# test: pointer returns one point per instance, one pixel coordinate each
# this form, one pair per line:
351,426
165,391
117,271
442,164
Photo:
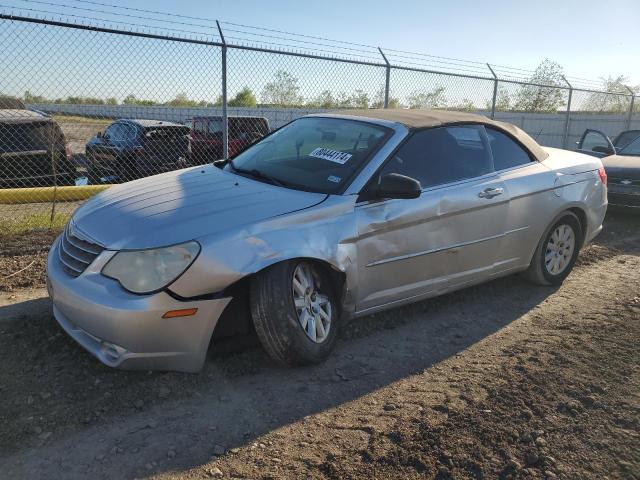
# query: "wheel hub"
313,308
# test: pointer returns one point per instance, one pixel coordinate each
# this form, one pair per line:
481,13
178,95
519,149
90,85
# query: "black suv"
130,149
33,151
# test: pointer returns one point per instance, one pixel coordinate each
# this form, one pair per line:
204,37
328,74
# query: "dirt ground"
504,380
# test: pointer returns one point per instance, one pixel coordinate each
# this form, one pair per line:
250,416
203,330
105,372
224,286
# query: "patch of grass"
34,221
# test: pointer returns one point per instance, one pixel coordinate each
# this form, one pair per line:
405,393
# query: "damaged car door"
446,237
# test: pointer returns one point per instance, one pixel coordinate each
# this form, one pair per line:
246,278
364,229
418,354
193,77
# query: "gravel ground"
503,380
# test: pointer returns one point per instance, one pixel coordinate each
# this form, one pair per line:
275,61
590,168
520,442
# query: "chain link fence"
84,107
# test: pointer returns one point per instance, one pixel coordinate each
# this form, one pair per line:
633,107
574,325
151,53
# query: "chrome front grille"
76,254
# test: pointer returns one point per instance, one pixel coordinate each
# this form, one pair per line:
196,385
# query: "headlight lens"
146,271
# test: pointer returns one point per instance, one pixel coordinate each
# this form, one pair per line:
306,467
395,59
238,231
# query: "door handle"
491,192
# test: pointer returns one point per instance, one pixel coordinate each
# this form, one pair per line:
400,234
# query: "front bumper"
125,330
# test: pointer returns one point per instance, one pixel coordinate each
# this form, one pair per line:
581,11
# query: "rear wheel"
557,252
295,314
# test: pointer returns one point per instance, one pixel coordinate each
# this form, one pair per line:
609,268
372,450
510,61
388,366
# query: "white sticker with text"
334,179
331,155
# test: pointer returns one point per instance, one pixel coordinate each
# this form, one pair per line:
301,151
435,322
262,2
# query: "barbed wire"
256,35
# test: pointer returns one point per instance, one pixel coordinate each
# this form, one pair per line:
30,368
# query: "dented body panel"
387,252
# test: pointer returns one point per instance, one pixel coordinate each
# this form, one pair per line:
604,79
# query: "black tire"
538,272
276,319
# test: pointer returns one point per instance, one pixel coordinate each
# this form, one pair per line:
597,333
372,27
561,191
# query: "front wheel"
294,310
557,252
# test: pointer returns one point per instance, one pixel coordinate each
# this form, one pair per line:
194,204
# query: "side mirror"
395,185
603,149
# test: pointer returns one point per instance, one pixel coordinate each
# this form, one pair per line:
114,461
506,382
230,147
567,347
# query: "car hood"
622,166
183,205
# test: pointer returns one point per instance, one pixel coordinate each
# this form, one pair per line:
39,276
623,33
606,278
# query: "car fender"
325,232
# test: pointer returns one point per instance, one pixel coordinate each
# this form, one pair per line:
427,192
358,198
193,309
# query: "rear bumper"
127,331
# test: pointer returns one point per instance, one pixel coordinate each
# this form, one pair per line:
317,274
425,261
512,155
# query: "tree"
378,100
244,98
616,98
111,101
542,97
358,99
433,99
132,100
465,105
30,98
324,100
282,91
181,100
503,100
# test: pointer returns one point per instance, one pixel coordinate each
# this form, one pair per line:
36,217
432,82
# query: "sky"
590,39
587,39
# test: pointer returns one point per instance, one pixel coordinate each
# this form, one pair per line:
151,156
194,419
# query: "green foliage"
533,98
244,98
465,105
616,100
503,100
432,99
358,99
132,100
378,100
181,100
283,91
324,100
30,98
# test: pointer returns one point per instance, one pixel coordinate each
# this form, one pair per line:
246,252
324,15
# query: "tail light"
68,152
602,173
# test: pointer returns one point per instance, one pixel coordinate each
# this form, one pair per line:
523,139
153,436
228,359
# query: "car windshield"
314,153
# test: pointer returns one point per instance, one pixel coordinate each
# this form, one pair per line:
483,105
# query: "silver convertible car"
331,217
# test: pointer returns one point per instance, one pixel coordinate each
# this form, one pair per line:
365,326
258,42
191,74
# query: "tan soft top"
435,118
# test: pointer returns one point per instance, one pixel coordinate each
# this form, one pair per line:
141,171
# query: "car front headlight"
147,271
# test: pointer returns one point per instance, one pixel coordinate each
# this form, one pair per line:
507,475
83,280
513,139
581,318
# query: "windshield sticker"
334,179
331,155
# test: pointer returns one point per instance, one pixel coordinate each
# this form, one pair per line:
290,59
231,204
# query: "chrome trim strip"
442,249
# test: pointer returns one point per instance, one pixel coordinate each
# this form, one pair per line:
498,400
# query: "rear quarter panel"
578,185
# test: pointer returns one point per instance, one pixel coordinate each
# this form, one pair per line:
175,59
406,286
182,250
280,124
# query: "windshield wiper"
257,174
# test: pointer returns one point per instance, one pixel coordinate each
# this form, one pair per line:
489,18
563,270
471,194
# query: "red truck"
206,136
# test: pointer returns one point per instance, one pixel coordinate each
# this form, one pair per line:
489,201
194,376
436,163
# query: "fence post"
565,136
495,91
225,118
388,79
633,97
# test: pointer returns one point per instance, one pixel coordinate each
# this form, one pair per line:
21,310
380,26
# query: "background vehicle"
332,217
33,151
130,149
621,160
206,136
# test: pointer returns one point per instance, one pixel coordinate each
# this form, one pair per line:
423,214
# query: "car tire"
556,252
281,301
